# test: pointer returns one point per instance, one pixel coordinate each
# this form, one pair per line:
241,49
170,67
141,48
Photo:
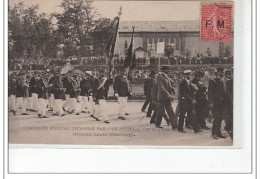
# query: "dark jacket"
57,88
217,92
121,86
154,90
12,87
33,85
165,87
73,89
84,87
66,81
99,88
185,92
201,94
22,88
41,88
148,84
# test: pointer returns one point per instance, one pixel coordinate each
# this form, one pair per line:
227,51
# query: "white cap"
89,72
187,71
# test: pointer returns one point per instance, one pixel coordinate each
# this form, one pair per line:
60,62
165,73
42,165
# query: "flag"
130,60
110,47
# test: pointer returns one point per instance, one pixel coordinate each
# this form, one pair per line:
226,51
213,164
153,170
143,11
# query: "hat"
89,72
198,73
165,67
187,72
220,69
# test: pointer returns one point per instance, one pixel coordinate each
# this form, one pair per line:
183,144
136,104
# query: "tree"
75,25
100,36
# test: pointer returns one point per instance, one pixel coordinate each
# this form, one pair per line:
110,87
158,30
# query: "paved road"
83,129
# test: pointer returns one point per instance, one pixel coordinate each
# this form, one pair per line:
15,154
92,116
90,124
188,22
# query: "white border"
155,160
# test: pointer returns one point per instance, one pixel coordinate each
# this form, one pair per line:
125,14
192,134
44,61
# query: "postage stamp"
216,21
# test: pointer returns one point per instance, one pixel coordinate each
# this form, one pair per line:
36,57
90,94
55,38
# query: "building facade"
183,36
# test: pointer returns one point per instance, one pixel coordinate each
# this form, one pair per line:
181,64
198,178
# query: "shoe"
50,109
14,112
77,114
206,128
222,136
45,117
83,112
214,136
188,126
63,109
142,110
127,114
97,119
160,127
39,115
181,130
196,131
92,116
55,114
25,114
122,118
106,121
63,115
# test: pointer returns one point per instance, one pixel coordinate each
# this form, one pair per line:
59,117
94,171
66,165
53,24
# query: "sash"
104,79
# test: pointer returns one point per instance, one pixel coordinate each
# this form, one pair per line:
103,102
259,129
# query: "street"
82,129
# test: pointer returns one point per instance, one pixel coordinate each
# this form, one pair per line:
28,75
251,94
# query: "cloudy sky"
131,10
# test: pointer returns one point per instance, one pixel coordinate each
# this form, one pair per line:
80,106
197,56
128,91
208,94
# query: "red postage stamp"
216,21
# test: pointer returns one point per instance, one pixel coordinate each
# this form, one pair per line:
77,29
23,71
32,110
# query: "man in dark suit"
122,91
187,103
148,84
201,107
33,92
229,118
217,96
42,90
165,97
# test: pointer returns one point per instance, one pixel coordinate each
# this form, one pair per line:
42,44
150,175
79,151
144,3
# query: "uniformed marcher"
74,89
229,118
165,97
33,92
42,88
99,96
83,95
51,100
154,102
217,96
22,92
148,84
187,103
201,107
12,90
122,92
56,87
66,80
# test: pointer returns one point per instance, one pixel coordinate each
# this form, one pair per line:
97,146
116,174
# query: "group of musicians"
195,100
87,93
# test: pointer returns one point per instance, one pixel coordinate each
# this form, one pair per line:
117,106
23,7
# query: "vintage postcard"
121,73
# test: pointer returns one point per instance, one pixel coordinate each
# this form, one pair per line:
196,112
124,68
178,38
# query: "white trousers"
83,100
51,101
22,101
101,110
42,106
34,102
12,103
57,109
66,105
122,106
74,106
91,106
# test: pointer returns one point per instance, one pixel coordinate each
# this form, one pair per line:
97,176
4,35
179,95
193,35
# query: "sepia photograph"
121,73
